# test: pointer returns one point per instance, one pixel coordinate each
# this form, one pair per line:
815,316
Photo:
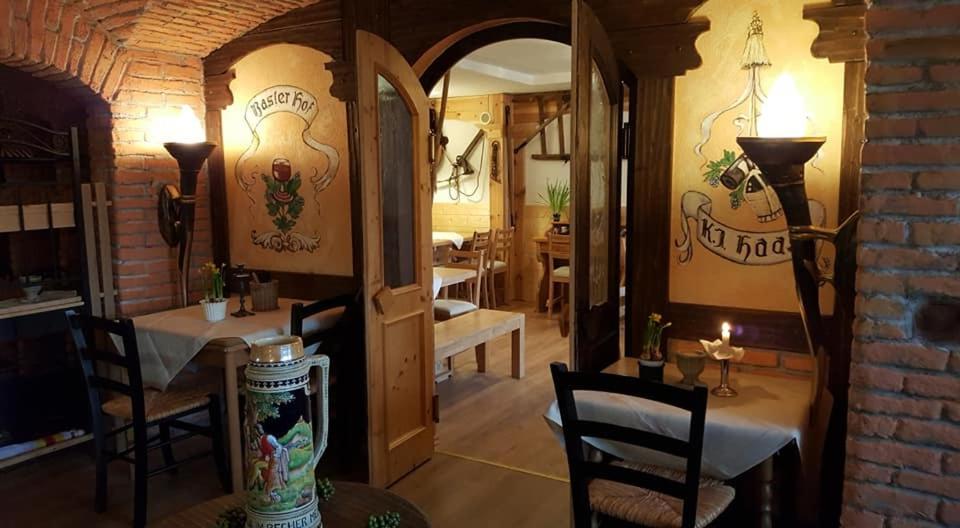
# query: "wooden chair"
333,342
487,242
140,409
633,493
499,264
445,309
558,252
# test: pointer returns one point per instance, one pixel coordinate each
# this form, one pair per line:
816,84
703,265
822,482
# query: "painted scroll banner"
752,248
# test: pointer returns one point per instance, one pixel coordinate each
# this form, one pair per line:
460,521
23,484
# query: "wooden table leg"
481,352
234,436
517,346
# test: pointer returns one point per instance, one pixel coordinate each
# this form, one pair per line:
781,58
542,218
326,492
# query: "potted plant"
651,358
557,199
213,302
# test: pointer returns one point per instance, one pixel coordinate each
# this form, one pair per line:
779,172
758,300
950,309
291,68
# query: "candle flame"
725,327
784,114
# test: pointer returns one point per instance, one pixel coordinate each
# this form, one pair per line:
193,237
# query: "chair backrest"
485,240
558,248
504,245
299,312
575,429
92,337
471,260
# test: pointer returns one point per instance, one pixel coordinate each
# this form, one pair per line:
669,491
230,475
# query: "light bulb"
784,114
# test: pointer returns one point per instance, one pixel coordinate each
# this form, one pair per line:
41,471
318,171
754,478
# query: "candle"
725,334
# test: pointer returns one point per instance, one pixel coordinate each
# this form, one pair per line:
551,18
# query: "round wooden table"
350,507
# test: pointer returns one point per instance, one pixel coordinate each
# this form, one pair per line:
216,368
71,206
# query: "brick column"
903,465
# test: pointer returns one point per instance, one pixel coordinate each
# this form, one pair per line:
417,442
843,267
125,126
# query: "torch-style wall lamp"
176,204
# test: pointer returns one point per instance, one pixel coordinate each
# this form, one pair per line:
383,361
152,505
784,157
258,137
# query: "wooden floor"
497,462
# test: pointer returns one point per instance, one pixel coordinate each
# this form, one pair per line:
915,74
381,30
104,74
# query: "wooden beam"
543,125
842,36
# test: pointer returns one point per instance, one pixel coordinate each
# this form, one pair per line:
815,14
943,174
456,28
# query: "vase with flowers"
651,357
214,303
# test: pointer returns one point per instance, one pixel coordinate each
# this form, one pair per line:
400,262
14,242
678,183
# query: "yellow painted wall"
706,278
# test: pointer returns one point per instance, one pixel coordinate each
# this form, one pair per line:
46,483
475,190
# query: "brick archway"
134,61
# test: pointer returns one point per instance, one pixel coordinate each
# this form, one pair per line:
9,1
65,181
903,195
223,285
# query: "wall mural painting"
287,184
729,229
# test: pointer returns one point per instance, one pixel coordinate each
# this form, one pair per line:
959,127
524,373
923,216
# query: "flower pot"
556,217
651,370
214,311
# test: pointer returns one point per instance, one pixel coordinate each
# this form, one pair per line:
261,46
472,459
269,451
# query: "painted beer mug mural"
284,441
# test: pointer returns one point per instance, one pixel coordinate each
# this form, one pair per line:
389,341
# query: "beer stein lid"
276,349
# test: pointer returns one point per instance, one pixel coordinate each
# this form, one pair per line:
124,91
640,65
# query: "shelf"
53,448
46,302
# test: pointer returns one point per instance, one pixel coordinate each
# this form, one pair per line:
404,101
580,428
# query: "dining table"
770,412
170,340
444,277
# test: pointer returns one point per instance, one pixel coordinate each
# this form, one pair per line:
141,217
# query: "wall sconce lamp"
176,204
781,152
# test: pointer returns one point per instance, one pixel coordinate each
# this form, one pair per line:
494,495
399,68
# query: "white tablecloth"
740,432
168,340
449,236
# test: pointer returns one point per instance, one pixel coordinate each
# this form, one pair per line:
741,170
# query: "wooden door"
596,95
397,265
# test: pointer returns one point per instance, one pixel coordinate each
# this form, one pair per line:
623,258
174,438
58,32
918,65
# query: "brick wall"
127,90
903,465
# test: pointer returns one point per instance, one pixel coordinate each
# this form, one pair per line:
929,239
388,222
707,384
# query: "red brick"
884,499
880,19
798,362
948,181
935,234
876,230
912,101
951,463
904,154
901,354
903,522
909,204
894,454
903,258
880,307
950,513
935,285
865,471
932,386
887,180
875,377
869,425
870,282
891,128
888,75
870,329
945,73
761,358
929,433
894,404
852,518
925,48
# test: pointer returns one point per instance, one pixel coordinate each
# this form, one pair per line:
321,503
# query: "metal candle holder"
243,278
177,205
724,390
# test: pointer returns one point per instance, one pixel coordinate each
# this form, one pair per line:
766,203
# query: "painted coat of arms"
287,161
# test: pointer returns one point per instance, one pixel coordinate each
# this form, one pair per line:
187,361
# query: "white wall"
537,173
460,134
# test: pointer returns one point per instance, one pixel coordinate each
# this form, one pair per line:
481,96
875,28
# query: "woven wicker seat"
158,404
656,510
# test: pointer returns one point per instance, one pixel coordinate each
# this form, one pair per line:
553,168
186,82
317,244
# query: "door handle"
382,300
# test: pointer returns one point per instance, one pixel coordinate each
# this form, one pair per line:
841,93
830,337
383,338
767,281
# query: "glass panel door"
599,189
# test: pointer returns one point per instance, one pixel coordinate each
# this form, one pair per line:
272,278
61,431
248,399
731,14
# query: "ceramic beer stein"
284,442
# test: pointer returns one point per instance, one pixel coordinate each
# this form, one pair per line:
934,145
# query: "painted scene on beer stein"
278,451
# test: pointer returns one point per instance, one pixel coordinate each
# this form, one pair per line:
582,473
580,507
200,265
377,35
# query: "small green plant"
558,197
212,282
325,490
651,337
232,518
387,520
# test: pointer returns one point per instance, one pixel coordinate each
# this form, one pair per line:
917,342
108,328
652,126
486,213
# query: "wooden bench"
474,330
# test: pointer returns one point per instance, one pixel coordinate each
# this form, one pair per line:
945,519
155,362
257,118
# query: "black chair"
619,492
334,342
140,409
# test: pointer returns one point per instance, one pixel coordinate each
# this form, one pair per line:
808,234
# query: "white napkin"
718,351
